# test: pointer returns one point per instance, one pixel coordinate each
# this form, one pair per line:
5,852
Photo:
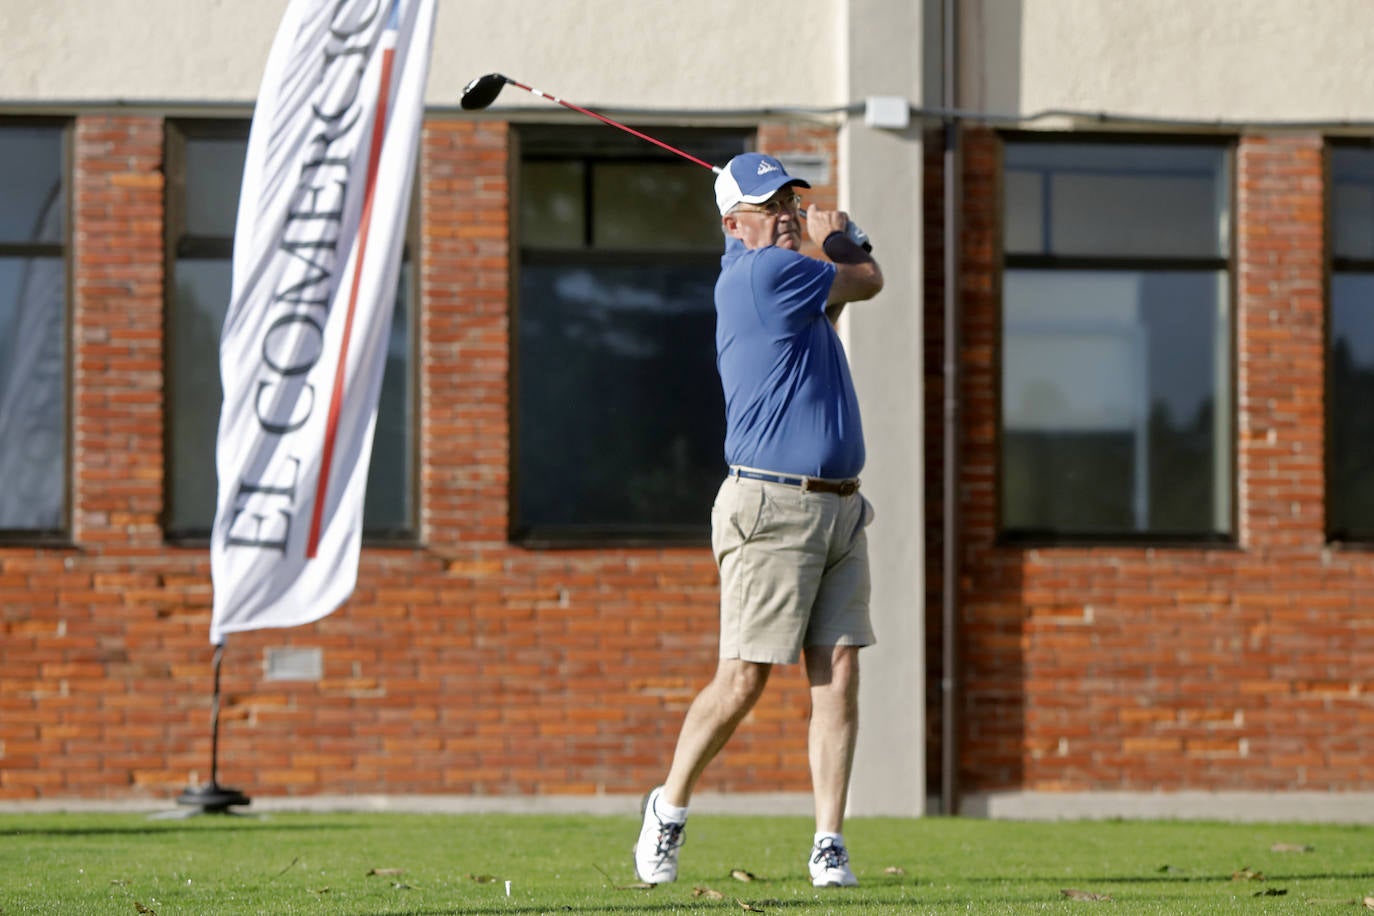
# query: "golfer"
787,527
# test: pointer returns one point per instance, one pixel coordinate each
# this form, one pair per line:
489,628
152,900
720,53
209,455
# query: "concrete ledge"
779,803
1260,807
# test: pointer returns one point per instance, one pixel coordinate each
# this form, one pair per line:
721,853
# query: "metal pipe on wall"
949,597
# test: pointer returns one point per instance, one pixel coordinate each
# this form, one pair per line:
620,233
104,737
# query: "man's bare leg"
711,719
833,673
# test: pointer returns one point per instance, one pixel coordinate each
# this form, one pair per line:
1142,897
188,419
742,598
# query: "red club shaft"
605,120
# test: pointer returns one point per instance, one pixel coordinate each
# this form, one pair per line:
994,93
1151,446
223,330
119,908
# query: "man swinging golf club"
787,527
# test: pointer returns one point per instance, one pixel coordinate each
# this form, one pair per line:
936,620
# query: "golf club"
483,90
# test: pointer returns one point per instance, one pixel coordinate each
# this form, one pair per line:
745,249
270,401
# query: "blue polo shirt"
790,405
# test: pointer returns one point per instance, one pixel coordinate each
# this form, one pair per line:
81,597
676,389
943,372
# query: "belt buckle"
849,487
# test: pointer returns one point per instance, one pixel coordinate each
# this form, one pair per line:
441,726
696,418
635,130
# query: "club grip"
858,236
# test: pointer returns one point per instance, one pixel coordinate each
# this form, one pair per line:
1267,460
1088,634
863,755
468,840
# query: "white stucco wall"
1238,59
1206,59
1246,60
646,53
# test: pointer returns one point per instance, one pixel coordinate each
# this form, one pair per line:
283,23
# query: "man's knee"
834,667
742,682
835,682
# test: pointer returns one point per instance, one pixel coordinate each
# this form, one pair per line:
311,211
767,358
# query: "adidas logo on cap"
765,167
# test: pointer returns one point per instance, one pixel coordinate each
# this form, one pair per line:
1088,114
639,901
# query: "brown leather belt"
805,484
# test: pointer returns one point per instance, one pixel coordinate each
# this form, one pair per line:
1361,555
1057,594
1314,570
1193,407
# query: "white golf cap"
751,178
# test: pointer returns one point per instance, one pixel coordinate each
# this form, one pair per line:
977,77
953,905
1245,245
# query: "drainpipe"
949,598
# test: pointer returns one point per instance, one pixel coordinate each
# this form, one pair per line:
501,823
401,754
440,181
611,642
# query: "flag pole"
211,797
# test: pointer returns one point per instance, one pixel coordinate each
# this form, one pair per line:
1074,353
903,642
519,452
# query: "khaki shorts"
793,570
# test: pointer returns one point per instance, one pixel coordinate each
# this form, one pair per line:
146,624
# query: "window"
205,170
620,421
1116,417
33,329
1350,452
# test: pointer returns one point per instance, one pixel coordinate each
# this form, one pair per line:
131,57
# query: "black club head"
482,91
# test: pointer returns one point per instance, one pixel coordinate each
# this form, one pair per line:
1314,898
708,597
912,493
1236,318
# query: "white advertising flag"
317,250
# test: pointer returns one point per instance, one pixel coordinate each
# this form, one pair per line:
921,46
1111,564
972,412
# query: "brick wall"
466,665
1111,668
472,666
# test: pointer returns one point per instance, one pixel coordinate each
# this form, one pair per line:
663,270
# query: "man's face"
776,221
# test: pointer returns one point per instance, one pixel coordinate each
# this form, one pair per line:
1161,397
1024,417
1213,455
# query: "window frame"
62,535
178,244
592,145
1227,145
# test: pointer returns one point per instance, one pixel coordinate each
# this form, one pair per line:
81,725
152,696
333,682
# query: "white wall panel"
1252,60
648,53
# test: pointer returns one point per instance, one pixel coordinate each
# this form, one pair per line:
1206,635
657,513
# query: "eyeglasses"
775,206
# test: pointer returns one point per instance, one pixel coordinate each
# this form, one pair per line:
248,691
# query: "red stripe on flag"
374,156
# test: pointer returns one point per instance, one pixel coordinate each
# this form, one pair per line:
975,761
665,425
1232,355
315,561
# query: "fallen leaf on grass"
1369,903
1270,892
747,907
386,872
740,874
894,870
1290,847
1246,874
320,890
1075,894
146,911
479,879
707,893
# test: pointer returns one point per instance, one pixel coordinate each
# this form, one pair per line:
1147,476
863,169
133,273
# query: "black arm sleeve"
841,249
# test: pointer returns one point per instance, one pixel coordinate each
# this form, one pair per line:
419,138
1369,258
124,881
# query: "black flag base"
212,798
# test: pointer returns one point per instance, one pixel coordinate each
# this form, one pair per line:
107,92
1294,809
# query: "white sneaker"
659,842
830,865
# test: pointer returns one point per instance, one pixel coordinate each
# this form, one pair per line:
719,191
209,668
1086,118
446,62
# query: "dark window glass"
620,420
202,209
1110,200
33,204
33,330
1350,458
1116,411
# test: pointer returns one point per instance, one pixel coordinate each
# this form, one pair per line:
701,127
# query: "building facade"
1122,338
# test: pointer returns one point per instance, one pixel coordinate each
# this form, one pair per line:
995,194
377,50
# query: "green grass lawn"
441,864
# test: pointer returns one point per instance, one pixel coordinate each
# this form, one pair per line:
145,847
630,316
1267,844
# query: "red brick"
1178,622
